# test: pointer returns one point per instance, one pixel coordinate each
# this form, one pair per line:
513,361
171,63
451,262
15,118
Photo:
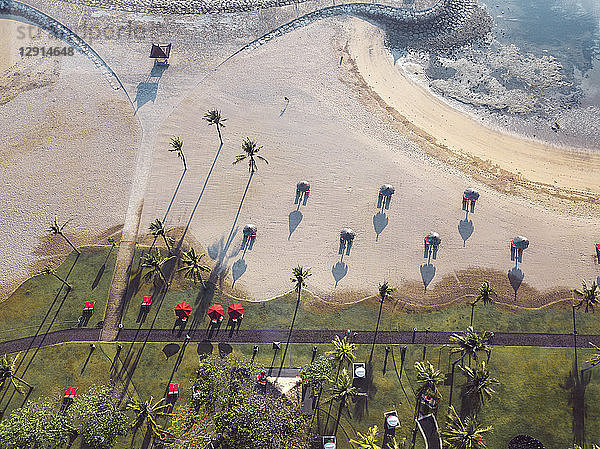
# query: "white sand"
328,137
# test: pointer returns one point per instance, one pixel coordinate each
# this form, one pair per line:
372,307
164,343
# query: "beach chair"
465,202
598,252
513,250
472,205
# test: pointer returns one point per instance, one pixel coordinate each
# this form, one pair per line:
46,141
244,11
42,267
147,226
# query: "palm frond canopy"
347,234
250,230
589,296
299,275
471,194
433,238
521,242
157,228
387,190
177,146
303,186
213,117
385,290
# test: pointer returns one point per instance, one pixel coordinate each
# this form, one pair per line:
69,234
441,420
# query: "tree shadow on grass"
575,385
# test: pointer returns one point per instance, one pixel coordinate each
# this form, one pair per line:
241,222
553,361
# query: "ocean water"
568,30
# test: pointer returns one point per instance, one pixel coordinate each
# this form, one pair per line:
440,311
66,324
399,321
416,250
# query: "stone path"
298,336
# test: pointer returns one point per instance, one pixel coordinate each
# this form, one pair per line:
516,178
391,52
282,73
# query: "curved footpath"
298,336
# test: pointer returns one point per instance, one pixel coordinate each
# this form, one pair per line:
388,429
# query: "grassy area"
532,397
38,298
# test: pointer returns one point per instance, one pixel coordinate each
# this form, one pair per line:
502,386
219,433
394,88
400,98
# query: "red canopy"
235,311
183,310
215,312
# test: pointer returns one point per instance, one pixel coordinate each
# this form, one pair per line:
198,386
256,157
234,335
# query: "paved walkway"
298,336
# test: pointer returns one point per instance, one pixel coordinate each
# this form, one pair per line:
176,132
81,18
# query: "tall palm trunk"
219,132
70,244
164,236
331,403
376,330
339,416
290,333
472,313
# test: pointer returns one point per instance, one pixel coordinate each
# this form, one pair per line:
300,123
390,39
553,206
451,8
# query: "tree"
299,276
478,388
366,440
384,293
147,412
213,117
153,261
459,434
8,374
318,373
190,430
192,266
485,295
50,271
158,230
428,377
250,151
177,147
344,392
342,352
589,296
470,343
56,229
595,359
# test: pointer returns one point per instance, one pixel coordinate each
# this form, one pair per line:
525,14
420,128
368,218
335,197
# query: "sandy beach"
326,136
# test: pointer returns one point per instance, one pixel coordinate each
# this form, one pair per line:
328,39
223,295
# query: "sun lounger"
69,395
147,301
173,390
89,306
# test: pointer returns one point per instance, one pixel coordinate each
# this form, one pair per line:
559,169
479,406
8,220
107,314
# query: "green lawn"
531,398
36,298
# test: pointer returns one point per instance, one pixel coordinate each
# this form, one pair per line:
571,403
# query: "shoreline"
457,131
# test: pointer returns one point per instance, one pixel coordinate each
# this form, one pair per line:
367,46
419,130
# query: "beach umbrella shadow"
427,274
465,229
339,270
515,277
205,348
238,269
295,218
380,221
170,350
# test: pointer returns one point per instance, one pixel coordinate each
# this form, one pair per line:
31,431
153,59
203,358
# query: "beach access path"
310,336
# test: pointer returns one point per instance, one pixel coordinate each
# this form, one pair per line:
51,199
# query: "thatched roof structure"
521,242
471,194
524,442
250,230
303,186
347,234
433,238
387,190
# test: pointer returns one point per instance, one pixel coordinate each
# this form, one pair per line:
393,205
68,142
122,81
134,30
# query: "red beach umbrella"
215,312
183,310
235,311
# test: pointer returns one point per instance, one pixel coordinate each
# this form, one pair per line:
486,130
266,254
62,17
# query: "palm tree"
8,374
595,360
177,147
250,151
50,271
367,440
153,261
213,117
471,343
342,352
385,292
192,267
485,295
428,377
589,296
343,391
479,386
299,276
158,230
459,434
147,412
56,229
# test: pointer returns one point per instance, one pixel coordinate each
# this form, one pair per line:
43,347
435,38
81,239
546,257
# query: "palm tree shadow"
294,219
380,221
515,277
339,270
427,273
98,276
576,385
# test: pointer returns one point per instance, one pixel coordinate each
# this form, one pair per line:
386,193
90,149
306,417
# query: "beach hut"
160,53
215,312
517,245
347,235
235,311
183,311
470,196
